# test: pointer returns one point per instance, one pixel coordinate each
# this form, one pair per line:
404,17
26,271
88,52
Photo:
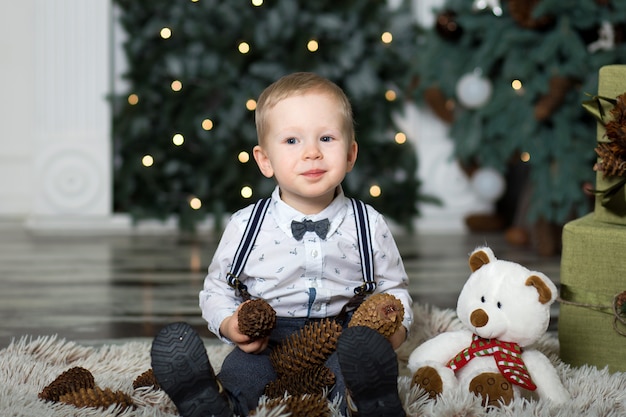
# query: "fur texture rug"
30,364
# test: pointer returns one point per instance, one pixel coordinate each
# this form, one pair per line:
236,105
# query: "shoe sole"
370,370
181,366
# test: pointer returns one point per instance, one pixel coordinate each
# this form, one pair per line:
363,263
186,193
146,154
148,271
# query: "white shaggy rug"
30,364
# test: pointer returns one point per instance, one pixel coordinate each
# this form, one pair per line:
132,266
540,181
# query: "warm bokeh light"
195,203
147,161
375,191
390,95
246,192
516,84
177,85
312,45
243,157
244,47
166,33
525,157
133,99
400,138
257,3
178,139
207,124
251,104
386,37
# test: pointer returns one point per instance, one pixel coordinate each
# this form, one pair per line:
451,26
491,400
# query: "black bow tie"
320,227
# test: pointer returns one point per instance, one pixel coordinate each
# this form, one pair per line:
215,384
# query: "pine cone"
71,380
522,12
299,406
147,379
256,319
309,381
96,398
308,348
382,312
612,154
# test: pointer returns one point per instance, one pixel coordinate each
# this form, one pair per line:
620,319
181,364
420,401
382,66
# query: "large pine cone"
256,319
308,348
309,381
299,406
147,379
382,312
97,398
71,380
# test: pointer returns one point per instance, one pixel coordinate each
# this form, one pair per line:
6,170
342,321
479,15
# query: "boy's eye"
291,140
326,138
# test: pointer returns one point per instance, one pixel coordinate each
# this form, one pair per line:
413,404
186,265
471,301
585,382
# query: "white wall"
55,147
17,72
55,136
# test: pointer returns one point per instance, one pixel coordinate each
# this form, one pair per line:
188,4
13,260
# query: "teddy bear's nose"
479,318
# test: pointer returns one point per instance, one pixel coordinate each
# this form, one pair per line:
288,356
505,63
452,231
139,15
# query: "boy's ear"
353,150
263,161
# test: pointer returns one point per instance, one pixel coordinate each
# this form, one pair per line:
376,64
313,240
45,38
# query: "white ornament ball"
488,184
473,90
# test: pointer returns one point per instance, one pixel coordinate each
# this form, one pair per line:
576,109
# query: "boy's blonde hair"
296,84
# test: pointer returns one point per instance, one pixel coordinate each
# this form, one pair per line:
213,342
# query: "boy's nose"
312,151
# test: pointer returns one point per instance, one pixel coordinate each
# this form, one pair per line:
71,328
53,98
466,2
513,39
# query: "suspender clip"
234,282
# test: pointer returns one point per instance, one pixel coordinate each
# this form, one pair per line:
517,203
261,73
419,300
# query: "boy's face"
306,149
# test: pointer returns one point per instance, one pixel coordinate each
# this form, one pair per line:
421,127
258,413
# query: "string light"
207,124
133,99
244,47
178,139
312,45
525,157
176,85
375,191
386,37
195,203
257,3
251,104
243,157
246,192
166,33
516,84
147,160
400,138
390,95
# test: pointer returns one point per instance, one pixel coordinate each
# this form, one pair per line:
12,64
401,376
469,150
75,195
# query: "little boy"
306,262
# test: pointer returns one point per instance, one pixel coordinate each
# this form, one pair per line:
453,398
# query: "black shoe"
181,366
370,369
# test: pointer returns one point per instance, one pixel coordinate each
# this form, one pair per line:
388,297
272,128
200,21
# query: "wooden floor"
92,289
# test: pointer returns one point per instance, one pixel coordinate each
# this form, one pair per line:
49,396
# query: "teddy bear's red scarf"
508,358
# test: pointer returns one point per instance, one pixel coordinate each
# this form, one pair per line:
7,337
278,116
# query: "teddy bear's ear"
545,293
480,257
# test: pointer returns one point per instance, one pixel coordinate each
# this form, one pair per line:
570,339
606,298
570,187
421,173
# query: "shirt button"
314,253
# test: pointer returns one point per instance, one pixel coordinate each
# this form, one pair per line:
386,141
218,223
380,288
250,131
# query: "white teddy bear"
505,308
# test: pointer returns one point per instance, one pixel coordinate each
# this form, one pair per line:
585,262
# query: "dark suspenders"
252,230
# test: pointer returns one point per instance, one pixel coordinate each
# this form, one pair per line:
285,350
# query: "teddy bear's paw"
493,388
429,380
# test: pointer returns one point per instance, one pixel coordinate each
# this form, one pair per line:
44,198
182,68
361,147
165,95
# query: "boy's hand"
398,337
230,329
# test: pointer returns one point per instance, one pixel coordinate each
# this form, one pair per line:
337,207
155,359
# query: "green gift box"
610,202
591,327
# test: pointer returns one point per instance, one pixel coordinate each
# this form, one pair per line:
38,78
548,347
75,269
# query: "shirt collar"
284,214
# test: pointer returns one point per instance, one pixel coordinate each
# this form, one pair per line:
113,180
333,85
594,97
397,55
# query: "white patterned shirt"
312,277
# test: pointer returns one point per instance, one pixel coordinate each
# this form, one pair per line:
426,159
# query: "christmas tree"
185,129
510,77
